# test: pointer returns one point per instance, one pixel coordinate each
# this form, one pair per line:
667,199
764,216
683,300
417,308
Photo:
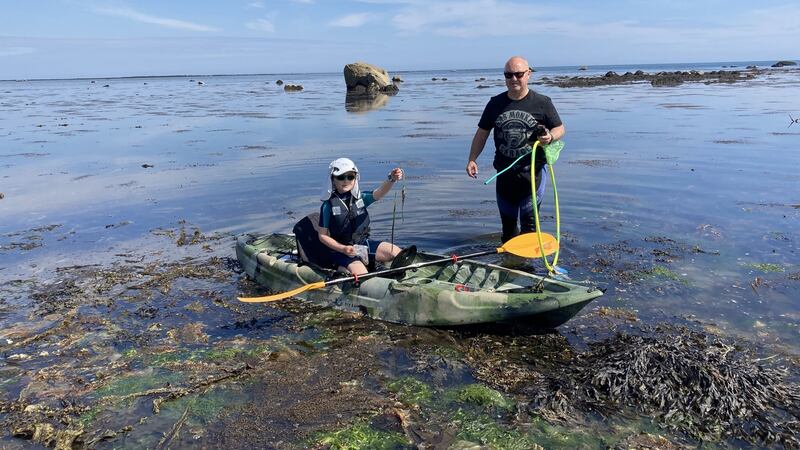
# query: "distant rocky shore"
658,79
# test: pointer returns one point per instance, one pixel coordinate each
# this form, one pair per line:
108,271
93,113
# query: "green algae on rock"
482,396
410,390
360,435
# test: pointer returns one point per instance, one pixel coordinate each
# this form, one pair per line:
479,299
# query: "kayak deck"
465,292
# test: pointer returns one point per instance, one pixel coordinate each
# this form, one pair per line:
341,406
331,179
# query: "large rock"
366,78
784,63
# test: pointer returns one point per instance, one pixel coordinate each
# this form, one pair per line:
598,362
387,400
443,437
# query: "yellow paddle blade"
283,295
527,245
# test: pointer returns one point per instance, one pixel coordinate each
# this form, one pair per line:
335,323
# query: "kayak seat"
310,250
405,258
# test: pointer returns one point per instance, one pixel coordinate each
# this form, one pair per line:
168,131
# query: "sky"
112,38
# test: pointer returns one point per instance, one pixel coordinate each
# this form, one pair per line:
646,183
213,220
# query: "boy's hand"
395,175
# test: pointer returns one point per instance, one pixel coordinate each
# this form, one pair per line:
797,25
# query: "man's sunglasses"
517,75
350,177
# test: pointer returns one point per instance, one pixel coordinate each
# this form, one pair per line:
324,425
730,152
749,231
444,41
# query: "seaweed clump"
692,383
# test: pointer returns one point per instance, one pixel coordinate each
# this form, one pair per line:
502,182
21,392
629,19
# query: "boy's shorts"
343,260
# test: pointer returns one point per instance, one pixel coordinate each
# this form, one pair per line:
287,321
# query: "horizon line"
578,66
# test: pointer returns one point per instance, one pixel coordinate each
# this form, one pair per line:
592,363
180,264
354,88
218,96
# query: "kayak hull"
467,292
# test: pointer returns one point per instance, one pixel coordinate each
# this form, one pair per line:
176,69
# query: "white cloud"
500,18
16,51
351,20
160,21
471,18
393,2
742,30
307,2
257,5
261,25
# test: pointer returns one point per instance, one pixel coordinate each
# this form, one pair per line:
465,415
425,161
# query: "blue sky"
95,38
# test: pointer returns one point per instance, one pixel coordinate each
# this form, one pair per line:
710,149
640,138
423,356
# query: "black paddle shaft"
409,267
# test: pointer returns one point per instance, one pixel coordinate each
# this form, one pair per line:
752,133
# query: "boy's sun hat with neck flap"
339,167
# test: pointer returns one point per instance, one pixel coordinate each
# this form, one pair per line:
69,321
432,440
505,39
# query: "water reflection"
363,102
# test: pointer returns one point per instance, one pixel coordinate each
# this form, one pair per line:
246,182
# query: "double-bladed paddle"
525,245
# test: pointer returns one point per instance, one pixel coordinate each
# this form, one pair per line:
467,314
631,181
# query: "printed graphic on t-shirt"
514,127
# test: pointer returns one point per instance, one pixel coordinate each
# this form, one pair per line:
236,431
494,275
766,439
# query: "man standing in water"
517,116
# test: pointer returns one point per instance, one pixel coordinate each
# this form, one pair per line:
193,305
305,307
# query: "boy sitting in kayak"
344,221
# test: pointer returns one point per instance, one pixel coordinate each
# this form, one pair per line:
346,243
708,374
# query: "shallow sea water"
684,202
713,166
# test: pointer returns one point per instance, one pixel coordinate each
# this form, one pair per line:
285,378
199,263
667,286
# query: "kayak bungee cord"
551,152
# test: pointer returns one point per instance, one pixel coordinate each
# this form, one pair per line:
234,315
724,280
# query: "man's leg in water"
508,217
527,219
508,207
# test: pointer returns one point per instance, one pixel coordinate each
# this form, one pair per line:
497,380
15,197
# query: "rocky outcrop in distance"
367,79
656,79
784,63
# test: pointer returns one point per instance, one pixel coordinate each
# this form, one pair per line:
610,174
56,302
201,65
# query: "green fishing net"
552,150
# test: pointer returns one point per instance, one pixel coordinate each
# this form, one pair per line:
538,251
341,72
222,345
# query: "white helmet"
338,167
342,165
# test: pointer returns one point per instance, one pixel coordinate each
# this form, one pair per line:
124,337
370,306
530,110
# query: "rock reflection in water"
361,103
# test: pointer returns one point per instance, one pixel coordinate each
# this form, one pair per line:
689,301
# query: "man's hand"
475,149
472,169
547,138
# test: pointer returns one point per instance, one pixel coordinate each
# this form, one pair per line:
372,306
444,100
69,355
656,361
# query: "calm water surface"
712,166
695,188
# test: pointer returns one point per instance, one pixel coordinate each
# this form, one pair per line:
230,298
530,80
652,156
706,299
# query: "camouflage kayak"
467,292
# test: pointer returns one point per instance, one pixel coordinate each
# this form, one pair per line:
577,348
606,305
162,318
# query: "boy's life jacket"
349,223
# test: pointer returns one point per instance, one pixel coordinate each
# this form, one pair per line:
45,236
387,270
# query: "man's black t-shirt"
513,122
